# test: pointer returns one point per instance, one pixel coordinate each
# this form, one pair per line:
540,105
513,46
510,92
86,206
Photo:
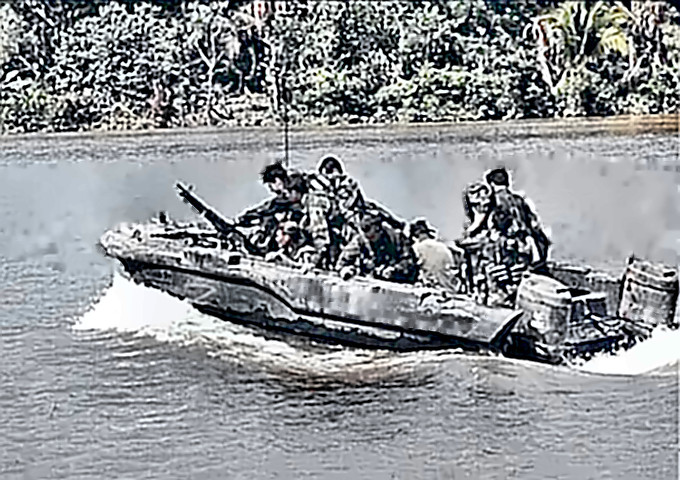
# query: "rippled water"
102,378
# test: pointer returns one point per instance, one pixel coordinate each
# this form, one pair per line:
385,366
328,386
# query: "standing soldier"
310,209
517,222
503,240
348,204
479,240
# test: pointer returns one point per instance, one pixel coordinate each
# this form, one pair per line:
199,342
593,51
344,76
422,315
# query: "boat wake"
132,308
128,307
659,354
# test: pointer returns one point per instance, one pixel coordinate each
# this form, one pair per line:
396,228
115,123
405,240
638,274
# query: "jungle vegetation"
114,64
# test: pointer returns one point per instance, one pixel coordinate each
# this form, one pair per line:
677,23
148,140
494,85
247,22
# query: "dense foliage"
119,64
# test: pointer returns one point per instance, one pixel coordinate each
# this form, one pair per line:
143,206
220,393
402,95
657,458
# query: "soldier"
503,240
479,241
380,250
478,202
515,220
438,267
293,247
345,190
310,209
346,199
266,215
348,204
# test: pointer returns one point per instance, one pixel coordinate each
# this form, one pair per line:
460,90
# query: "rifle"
222,225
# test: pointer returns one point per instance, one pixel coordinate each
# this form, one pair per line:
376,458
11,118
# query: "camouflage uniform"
388,257
316,208
484,269
348,202
266,217
347,195
516,221
269,214
338,198
499,248
348,205
516,232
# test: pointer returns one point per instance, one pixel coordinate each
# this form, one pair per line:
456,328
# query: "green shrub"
114,64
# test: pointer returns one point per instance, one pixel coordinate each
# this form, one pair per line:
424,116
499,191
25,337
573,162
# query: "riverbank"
481,130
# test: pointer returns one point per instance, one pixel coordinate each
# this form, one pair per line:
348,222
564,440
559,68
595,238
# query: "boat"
559,317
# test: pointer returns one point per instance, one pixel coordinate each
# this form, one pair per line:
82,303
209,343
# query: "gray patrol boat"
562,317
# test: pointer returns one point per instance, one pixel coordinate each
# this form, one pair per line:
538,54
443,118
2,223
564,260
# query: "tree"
569,36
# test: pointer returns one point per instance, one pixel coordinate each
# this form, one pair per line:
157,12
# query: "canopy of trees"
114,64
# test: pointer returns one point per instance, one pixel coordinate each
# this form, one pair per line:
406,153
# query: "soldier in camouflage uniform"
379,250
266,215
479,241
310,208
346,199
516,221
504,238
348,204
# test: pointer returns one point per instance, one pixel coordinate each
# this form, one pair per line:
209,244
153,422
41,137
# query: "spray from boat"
128,307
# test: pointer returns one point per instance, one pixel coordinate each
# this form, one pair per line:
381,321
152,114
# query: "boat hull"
190,264
239,300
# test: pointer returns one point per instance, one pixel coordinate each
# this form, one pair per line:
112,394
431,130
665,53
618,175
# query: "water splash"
129,307
658,354
132,308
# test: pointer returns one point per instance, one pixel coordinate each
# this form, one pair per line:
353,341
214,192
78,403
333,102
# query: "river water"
102,378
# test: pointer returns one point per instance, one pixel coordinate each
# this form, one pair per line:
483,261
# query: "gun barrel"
221,224
186,194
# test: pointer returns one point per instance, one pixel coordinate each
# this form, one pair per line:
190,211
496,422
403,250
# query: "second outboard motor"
649,293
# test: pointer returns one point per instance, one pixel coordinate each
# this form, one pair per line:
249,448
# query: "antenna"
285,98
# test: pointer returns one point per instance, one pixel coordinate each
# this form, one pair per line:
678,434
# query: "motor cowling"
547,304
649,293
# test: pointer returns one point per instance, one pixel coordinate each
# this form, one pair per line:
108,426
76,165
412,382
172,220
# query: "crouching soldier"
379,250
438,263
293,248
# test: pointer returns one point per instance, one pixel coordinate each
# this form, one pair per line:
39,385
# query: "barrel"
649,293
546,303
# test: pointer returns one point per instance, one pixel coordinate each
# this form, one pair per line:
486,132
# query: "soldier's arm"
349,195
254,215
307,256
385,214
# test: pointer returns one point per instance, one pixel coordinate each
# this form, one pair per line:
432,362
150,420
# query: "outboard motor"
649,293
563,323
547,303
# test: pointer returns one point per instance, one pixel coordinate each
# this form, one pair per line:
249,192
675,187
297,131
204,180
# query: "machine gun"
223,226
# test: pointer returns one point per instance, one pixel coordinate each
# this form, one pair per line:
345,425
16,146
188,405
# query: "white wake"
132,308
659,351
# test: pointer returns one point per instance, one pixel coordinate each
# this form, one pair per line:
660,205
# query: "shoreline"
491,129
